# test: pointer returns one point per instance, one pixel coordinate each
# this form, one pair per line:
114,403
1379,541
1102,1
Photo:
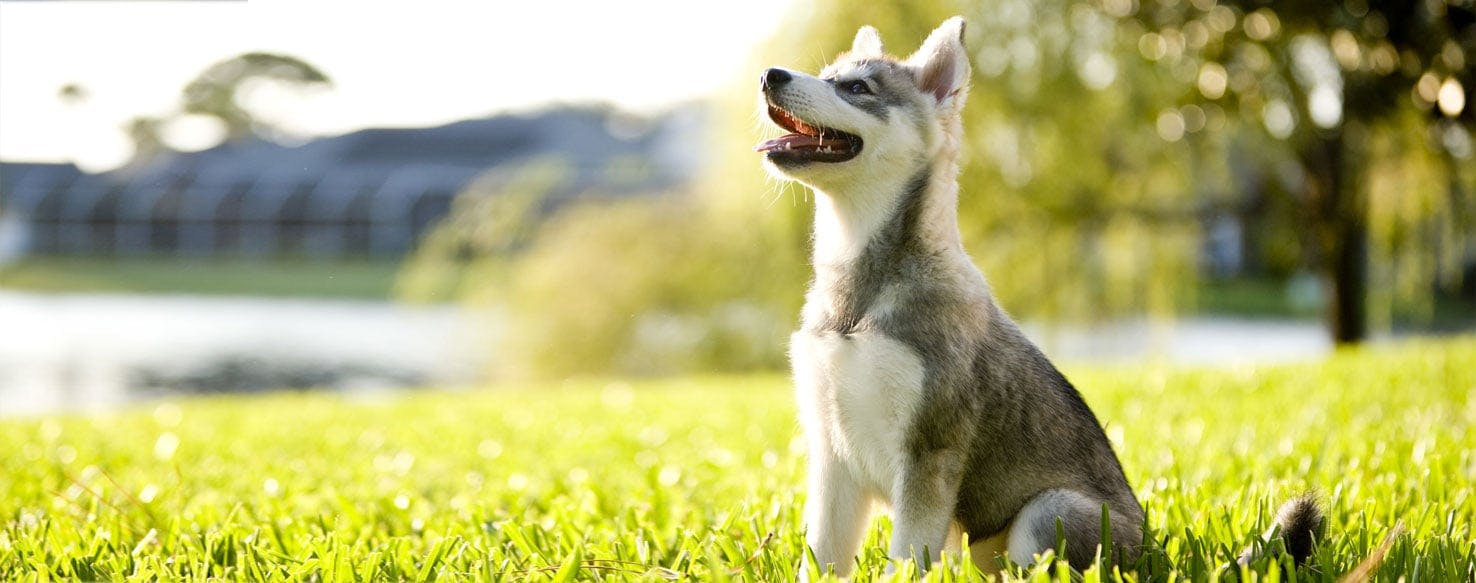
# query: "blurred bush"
647,285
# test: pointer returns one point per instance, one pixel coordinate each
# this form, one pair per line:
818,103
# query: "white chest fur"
857,394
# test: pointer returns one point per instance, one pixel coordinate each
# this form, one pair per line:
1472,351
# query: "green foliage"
687,311
1329,87
630,285
700,479
1073,201
491,220
1422,211
220,90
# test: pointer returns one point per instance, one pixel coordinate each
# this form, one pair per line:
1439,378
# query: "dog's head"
868,115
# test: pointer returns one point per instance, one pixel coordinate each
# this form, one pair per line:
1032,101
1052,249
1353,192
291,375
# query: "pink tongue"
788,142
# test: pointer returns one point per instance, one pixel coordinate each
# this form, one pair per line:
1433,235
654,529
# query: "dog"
914,387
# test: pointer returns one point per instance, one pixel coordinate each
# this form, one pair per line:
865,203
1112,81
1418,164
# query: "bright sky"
393,63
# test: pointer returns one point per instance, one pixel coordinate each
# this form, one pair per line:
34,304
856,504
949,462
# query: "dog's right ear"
942,63
867,44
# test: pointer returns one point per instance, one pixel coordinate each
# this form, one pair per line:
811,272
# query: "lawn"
368,280
700,479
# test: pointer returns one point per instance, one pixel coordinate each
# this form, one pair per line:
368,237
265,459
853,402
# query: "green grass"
700,479
369,280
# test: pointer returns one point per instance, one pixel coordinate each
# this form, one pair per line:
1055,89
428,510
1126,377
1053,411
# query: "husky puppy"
914,386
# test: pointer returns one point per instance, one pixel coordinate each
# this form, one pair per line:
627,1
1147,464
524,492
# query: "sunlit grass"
700,479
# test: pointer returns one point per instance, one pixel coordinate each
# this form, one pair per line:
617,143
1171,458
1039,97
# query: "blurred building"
371,193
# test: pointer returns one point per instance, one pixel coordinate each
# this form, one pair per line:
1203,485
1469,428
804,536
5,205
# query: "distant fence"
55,209
60,213
370,193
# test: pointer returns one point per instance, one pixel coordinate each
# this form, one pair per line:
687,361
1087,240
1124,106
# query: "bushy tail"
1298,523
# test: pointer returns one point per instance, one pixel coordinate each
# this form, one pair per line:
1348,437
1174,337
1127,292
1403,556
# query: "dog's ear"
942,64
868,43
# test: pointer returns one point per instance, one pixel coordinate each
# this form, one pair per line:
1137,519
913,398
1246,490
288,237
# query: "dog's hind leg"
1080,519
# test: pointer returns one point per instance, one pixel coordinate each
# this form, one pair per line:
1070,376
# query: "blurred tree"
148,142
72,94
218,90
1327,79
1078,205
467,256
634,285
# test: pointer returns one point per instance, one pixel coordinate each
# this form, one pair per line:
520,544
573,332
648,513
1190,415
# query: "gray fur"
1080,522
892,86
1299,524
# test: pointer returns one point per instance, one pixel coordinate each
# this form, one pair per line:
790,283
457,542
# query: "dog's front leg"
923,500
835,513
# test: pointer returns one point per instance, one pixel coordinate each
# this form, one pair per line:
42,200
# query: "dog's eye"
858,88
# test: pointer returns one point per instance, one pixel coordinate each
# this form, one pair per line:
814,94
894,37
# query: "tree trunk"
1339,215
1348,276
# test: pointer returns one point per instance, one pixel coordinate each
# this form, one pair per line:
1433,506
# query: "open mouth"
807,142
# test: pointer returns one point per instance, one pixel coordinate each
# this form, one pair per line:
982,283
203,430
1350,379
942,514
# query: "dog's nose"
774,77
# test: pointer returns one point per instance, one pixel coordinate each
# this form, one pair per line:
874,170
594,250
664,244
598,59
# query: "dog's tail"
1299,522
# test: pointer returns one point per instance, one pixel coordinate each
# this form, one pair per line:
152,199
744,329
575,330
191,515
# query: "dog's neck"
847,221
